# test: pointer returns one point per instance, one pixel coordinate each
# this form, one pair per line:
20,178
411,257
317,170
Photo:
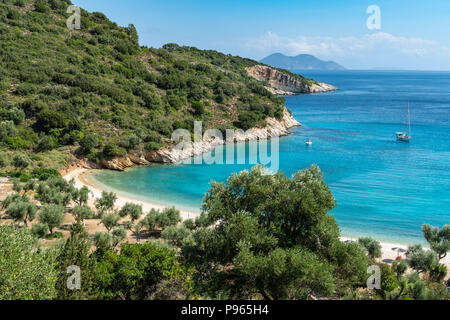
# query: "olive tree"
168,217
161,219
103,242
52,215
105,203
22,209
80,196
372,246
175,235
421,260
118,235
438,239
134,211
110,220
82,213
271,236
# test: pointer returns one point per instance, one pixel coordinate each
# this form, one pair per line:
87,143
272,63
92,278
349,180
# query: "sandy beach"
80,177
390,251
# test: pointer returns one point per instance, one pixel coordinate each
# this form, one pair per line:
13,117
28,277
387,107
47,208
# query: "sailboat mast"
409,120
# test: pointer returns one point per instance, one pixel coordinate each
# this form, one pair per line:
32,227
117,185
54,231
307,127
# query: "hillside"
95,93
300,62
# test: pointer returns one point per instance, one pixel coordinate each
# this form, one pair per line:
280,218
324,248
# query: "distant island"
300,62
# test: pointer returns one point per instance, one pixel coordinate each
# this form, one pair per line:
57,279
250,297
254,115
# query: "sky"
412,34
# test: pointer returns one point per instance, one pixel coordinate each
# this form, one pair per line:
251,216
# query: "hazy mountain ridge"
300,62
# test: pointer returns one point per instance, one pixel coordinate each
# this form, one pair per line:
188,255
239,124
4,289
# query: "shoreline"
80,176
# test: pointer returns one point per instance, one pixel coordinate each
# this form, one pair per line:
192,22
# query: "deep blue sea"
383,188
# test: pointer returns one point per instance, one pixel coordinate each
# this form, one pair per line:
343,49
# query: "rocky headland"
278,82
283,83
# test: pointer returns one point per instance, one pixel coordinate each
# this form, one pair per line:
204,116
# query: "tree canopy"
272,236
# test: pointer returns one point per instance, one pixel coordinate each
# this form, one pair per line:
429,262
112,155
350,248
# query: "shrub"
40,6
39,230
372,247
48,120
112,150
198,107
16,115
4,160
89,142
247,120
7,130
47,143
21,161
142,272
130,142
26,89
33,272
175,235
152,137
44,174
18,143
103,242
153,146
162,126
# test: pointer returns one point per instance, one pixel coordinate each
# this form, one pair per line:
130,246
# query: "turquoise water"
383,188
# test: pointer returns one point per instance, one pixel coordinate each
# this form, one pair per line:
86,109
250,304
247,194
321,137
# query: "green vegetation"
99,94
52,215
244,245
285,246
26,274
372,247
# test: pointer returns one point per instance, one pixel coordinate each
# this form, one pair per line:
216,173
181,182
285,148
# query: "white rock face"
275,128
285,84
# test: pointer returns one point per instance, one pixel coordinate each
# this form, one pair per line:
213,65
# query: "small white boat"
405,136
309,142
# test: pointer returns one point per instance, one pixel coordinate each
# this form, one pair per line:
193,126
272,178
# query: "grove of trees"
259,236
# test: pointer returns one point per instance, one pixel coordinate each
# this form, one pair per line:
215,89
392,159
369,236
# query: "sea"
383,188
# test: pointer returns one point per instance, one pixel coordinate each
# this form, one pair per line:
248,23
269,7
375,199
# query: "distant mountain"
300,62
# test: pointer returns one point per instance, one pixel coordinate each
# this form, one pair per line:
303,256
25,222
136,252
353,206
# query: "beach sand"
80,177
390,251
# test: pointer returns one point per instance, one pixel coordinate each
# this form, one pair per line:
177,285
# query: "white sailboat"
406,136
309,142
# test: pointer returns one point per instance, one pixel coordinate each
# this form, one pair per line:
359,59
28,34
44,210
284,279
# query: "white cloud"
371,50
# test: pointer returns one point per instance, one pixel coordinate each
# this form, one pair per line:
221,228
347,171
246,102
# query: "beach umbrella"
399,250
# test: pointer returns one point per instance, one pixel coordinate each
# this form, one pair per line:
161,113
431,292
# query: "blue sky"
414,34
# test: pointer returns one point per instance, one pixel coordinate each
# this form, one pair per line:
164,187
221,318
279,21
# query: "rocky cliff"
275,128
286,84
